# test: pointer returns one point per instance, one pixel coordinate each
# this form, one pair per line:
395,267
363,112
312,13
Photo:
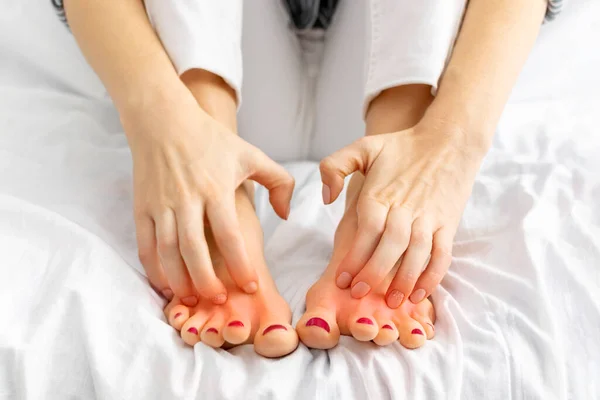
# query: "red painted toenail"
320,322
213,330
177,315
193,330
387,326
417,331
239,324
364,320
273,327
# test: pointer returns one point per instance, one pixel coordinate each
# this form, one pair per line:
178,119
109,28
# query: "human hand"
417,184
186,168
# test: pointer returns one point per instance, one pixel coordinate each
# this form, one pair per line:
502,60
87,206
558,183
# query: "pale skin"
416,169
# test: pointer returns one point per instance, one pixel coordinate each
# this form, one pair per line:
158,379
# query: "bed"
518,313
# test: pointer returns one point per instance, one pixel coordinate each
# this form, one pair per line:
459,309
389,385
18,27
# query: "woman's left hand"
417,184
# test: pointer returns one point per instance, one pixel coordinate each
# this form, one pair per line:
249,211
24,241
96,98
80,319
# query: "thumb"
274,177
357,156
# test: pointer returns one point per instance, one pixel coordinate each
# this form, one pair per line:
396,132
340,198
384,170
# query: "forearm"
119,43
492,46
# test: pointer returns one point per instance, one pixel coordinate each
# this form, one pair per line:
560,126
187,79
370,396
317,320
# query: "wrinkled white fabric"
518,314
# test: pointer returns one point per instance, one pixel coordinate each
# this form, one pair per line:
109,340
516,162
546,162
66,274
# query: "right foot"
262,318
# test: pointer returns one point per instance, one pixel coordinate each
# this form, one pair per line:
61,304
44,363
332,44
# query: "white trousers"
303,97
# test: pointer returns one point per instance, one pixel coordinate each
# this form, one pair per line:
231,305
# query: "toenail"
250,287
344,280
431,325
395,298
220,298
177,315
193,330
417,331
320,322
364,320
360,289
190,301
239,324
168,293
273,327
417,296
212,330
387,326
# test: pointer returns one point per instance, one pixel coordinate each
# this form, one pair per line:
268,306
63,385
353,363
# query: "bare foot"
331,311
262,318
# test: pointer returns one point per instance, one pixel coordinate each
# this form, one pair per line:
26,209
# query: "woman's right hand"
186,168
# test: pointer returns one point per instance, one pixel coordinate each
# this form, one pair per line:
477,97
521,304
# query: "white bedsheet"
518,314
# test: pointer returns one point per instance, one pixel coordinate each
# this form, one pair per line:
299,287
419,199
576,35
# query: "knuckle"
433,277
146,257
420,238
407,278
167,244
327,164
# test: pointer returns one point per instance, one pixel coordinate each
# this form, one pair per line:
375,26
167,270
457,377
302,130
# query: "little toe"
275,339
412,333
236,330
363,327
388,333
318,329
177,316
212,333
190,331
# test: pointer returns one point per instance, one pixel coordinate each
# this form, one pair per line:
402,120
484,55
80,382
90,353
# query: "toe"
212,333
190,331
412,333
388,333
236,330
427,325
363,327
177,316
275,339
318,329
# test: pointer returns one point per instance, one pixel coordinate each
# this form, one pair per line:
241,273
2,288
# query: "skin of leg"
262,318
331,311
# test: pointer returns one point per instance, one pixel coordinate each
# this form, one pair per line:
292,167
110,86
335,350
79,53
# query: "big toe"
318,329
275,339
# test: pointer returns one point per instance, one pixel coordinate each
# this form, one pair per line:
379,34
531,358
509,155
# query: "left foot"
331,311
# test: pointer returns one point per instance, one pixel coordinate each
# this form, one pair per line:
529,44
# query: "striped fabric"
554,8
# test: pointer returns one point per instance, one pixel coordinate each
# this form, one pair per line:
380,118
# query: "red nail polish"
364,320
387,326
177,315
193,330
212,330
238,324
273,327
417,331
320,322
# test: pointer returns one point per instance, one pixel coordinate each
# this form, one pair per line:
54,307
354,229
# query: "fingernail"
177,315
364,320
417,296
212,330
168,293
273,327
360,290
320,322
326,194
193,330
250,287
190,301
220,298
417,331
395,299
238,324
344,280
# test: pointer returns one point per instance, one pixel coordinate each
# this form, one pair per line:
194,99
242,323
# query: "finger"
354,157
392,245
275,178
441,258
170,257
419,249
195,253
371,223
148,254
226,229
